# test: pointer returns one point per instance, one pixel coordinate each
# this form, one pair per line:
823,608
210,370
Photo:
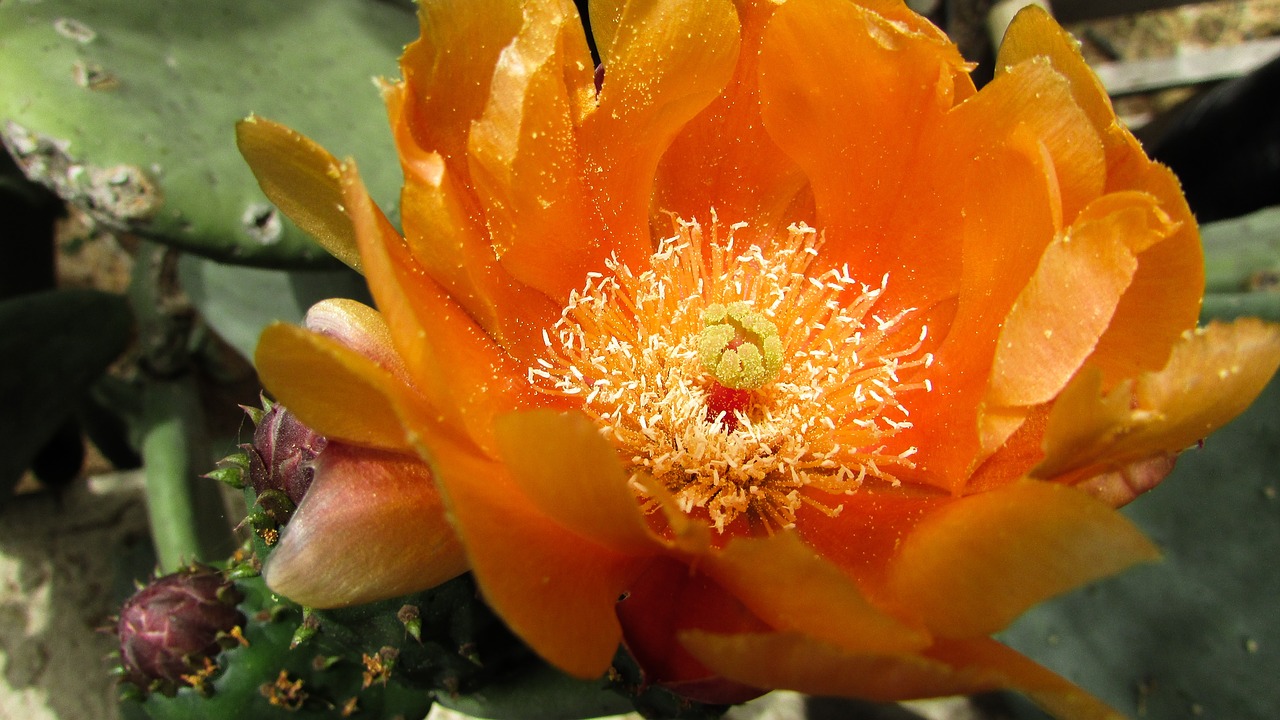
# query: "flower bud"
171,630
283,454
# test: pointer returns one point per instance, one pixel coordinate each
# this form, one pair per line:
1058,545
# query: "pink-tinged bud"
283,454
171,630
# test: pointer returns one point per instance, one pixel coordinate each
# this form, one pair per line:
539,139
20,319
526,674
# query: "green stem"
187,519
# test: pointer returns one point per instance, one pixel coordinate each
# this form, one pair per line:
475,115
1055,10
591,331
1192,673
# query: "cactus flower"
172,629
771,349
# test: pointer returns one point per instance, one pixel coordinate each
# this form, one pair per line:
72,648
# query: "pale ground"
57,567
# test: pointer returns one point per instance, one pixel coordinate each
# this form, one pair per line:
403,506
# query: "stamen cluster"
628,346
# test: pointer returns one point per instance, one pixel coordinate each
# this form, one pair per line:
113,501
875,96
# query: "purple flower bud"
282,455
171,630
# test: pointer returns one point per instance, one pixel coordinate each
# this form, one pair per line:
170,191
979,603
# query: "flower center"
734,382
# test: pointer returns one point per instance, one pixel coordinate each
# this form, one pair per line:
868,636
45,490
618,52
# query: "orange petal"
1058,317
1032,94
972,567
321,380
819,600
1035,34
370,527
446,234
446,86
301,178
554,588
460,370
665,60
526,164
572,475
866,533
724,159
1016,455
1212,376
1021,157
1120,487
811,666
667,598
848,95
1005,231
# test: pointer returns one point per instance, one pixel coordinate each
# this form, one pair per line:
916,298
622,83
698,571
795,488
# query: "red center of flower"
725,404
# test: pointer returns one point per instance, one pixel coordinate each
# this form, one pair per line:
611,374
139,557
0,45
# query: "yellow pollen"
662,360
739,347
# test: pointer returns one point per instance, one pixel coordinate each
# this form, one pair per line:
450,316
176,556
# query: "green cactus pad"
128,109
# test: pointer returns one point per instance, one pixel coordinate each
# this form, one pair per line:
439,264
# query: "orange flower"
782,333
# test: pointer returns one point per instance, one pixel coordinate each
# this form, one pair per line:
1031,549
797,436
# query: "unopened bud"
171,630
283,454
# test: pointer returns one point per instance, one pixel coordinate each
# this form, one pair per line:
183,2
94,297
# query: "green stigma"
739,347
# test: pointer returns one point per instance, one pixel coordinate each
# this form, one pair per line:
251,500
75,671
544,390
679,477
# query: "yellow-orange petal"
370,527
301,178
1034,33
572,475
664,61
798,662
848,95
1033,95
554,588
320,380
818,600
1211,377
1163,301
1164,298
1063,699
526,163
459,369
1068,303
970,568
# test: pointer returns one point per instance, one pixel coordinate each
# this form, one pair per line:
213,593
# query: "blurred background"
141,262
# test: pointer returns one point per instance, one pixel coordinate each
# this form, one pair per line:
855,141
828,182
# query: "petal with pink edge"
370,527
